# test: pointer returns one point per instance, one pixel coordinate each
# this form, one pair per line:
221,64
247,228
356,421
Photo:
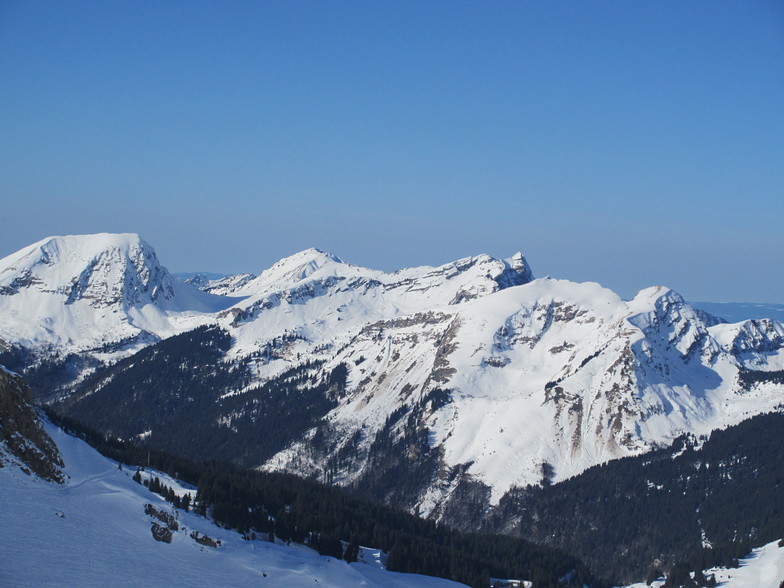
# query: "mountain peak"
296,267
91,289
312,255
517,261
659,295
65,248
105,268
518,269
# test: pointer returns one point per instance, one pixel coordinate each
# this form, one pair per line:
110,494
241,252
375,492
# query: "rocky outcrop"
23,440
205,540
161,532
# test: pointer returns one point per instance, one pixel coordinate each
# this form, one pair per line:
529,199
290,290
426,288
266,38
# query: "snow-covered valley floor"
93,531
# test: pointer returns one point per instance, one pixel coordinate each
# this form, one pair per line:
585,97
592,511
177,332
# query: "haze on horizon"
625,143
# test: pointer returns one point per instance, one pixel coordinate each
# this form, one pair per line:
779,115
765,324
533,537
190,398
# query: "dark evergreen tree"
352,550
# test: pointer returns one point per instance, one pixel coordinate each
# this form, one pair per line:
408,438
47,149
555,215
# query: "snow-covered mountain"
95,293
472,374
548,376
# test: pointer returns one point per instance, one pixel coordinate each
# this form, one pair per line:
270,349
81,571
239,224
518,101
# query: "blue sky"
628,143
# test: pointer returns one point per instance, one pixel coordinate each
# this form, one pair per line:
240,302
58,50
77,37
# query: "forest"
191,405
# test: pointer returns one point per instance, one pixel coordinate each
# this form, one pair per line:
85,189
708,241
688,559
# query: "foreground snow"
92,531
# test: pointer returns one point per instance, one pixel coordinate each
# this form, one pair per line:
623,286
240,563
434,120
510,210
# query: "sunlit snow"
92,531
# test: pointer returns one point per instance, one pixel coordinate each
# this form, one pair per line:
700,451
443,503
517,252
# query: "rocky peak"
290,270
90,291
758,336
516,273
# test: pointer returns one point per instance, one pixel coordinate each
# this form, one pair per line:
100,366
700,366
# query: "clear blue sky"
628,143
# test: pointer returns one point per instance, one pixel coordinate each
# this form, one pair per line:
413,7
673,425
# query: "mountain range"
437,389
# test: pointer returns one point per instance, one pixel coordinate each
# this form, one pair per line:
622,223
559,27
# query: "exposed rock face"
205,540
161,532
23,440
166,518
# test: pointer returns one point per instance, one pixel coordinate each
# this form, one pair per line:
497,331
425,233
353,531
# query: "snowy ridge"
93,531
463,279
225,286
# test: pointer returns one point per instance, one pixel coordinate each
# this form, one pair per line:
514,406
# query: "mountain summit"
85,291
105,270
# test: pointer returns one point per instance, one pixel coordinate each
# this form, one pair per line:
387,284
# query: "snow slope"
763,568
93,531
